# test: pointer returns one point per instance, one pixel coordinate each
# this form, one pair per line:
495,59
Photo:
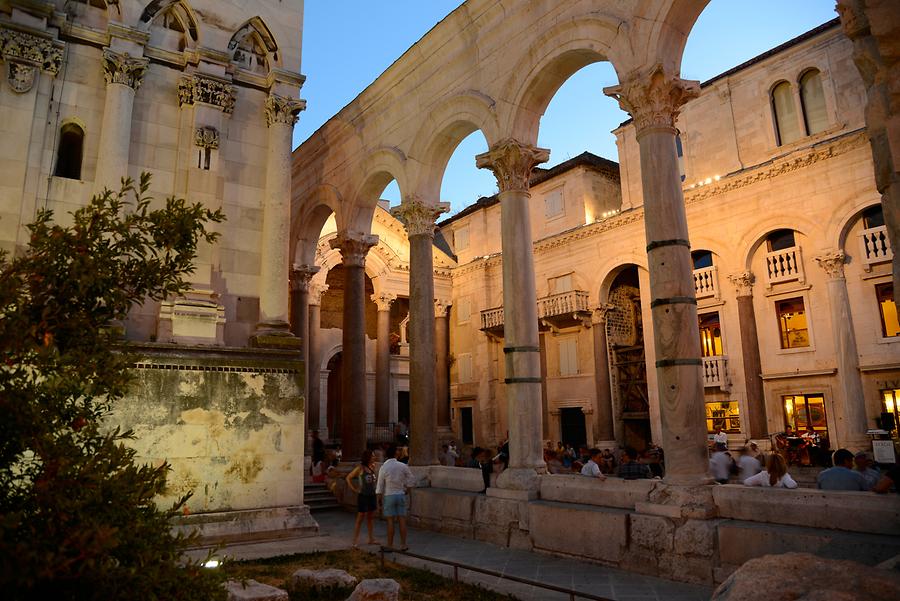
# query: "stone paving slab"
337,532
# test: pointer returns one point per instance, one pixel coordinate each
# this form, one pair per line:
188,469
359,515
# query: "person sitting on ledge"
870,475
775,475
592,467
629,468
889,480
841,476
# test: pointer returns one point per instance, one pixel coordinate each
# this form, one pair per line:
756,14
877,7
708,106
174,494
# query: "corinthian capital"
441,307
742,282
316,289
418,216
124,69
354,247
512,162
833,263
383,300
301,275
653,98
281,109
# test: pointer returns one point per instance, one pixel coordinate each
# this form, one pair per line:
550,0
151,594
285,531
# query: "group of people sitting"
806,448
623,462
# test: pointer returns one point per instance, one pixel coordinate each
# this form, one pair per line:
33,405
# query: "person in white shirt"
449,456
592,467
775,475
721,437
394,480
747,464
720,464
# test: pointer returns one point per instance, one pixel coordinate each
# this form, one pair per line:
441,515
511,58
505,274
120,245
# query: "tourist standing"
775,475
841,476
362,481
394,481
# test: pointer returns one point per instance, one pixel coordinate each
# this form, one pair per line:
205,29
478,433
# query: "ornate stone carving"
301,275
124,69
383,301
316,289
512,162
441,307
742,282
598,317
833,263
653,99
20,76
281,109
35,51
418,216
206,137
354,248
197,88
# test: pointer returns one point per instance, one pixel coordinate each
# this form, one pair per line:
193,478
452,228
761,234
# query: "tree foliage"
77,514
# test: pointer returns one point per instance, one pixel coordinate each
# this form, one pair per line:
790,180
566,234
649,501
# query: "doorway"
465,426
572,427
403,406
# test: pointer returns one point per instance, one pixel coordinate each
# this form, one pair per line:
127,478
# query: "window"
463,310
780,240
873,217
813,99
702,259
679,150
561,284
465,367
710,334
71,149
792,323
802,410
889,324
723,414
553,203
787,123
461,238
890,404
568,357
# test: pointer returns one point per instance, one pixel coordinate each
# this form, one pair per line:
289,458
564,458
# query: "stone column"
441,366
317,414
512,162
354,247
604,433
123,74
653,99
757,426
273,327
419,218
383,357
851,420
300,277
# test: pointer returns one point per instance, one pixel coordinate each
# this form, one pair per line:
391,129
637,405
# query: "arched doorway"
335,374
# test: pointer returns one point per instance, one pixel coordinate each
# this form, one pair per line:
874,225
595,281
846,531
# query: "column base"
526,479
274,334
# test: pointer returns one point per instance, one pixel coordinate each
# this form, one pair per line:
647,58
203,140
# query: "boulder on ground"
806,577
322,580
376,589
251,590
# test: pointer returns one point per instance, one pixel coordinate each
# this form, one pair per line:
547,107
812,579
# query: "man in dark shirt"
891,478
318,448
630,469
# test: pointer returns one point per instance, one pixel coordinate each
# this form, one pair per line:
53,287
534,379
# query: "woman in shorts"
362,481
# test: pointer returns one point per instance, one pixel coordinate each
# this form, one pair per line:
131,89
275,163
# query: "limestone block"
804,576
696,537
251,590
376,589
457,478
686,569
612,492
652,532
322,580
594,532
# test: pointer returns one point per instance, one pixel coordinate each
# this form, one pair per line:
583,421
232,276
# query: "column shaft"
604,421
441,369
383,365
313,368
423,424
353,384
274,262
756,399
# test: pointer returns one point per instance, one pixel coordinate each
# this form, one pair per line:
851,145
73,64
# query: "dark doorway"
572,427
335,373
465,425
403,406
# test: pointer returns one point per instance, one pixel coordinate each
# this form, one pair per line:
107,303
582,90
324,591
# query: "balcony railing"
492,319
564,303
706,282
784,265
875,246
714,374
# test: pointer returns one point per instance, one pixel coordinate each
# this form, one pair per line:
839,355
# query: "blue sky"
347,44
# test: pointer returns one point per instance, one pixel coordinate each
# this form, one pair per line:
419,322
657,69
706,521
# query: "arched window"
69,154
787,124
780,240
813,100
251,46
172,26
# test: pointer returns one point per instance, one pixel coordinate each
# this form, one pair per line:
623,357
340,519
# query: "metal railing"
573,594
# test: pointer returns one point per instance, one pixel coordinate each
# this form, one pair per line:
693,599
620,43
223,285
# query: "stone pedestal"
512,162
756,399
383,357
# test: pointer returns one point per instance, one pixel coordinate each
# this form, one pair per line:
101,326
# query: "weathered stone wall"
230,423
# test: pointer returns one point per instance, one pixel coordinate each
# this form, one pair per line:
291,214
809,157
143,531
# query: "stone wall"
230,423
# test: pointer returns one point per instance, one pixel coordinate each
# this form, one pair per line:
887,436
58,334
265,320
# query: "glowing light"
212,563
708,181
717,178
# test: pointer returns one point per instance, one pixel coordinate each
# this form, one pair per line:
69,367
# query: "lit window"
710,334
461,238
780,240
889,323
813,99
553,203
804,410
724,415
465,367
568,357
890,411
792,323
463,310
71,149
787,123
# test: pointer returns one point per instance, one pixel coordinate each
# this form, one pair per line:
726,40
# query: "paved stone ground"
337,529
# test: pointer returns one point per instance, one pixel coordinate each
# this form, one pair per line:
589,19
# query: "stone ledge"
457,478
612,492
250,524
598,533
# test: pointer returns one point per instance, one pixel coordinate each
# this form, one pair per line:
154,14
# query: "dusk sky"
347,44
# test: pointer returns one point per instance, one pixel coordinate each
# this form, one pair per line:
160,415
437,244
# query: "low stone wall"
230,423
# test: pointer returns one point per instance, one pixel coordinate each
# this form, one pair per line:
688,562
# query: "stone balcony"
564,309
784,266
706,283
715,374
875,247
492,321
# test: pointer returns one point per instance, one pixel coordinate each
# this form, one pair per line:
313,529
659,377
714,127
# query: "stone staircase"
318,497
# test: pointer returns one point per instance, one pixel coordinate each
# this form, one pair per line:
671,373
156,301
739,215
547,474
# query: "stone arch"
183,18
380,168
309,218
253,47
442,131
553,57
612,268
838,232
670,26
751,242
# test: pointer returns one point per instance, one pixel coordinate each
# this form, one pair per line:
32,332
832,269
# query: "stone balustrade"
784,266
564,303
492,318
706,282
714,371
875,247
